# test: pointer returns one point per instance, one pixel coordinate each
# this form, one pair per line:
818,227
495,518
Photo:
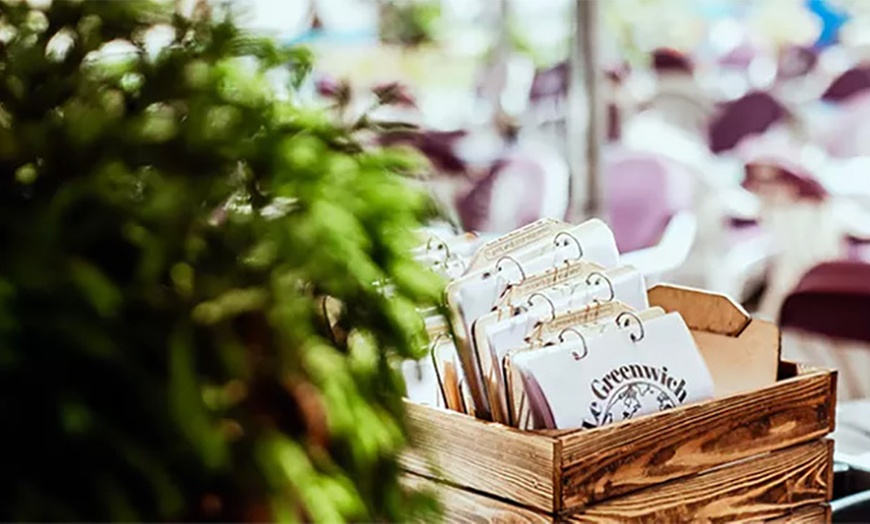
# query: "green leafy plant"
170,229
409,22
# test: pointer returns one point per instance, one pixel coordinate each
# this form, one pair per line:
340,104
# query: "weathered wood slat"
812,514
484,456
752,490
613,460
463,506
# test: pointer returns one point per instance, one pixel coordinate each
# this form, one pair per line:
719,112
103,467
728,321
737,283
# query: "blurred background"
723,140
726,142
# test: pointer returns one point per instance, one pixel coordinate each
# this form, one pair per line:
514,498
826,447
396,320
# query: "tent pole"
586,115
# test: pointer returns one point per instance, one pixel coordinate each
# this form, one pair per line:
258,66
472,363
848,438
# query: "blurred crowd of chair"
761,197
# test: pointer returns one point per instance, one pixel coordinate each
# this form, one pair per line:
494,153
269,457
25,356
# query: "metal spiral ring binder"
619,322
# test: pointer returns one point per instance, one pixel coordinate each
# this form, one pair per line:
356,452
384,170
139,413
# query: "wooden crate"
756,452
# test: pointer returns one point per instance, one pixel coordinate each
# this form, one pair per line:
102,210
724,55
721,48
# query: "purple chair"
643,193
832,299
825,321
549,91
797,212
858,249
848,84
528,183
548,95
437,146
666,60
475,206
550,83
553,82
750,114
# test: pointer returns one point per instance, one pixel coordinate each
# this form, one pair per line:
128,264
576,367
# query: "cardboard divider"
741,353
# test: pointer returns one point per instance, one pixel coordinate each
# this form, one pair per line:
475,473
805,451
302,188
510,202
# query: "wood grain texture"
621,458
764,487
485,456
462,506
702,310
812,514
793,369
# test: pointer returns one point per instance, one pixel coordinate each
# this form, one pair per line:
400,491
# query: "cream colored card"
509,326
641,368
477,292
592,241
495,337
493,250
421,382
463,245
572,282
587,323
448,373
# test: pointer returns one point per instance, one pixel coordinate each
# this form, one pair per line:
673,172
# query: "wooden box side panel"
484,456
613,460
463,506
813,514
766,487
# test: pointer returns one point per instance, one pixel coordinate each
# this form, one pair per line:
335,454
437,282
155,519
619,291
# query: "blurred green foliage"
409,22
169,228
